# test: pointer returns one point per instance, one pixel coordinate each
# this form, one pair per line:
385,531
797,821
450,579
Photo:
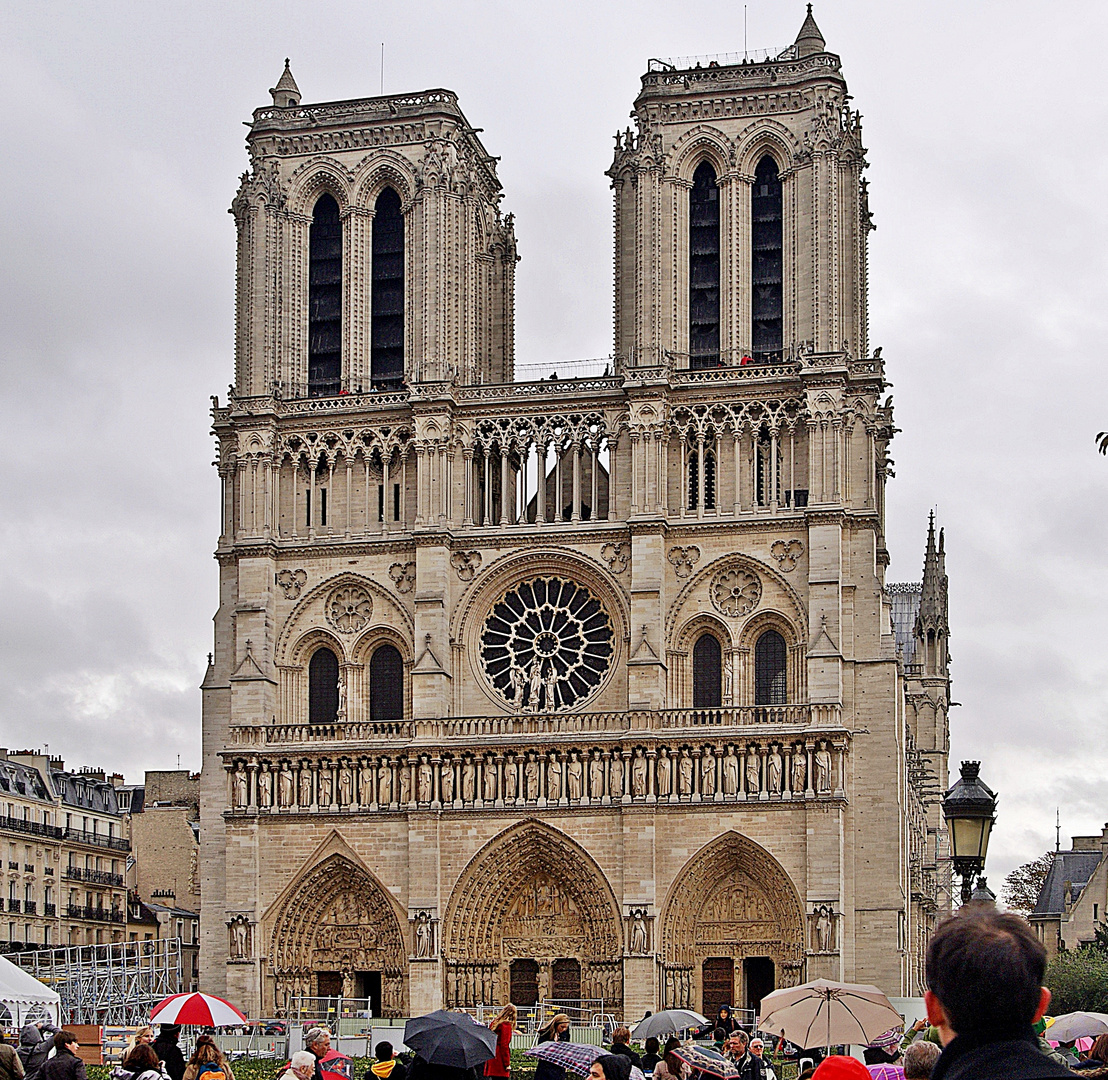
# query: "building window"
709,480
707,666
704,268
323,687
386,684
766,269
325,299
387,328
769,669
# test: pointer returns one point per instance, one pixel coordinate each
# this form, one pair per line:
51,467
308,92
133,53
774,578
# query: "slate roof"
1076,867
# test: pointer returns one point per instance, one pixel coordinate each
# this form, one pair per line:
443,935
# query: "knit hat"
838,1067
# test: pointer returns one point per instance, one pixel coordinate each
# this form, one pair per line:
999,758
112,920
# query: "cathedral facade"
587,690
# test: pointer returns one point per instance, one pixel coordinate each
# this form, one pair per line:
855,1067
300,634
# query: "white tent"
24,998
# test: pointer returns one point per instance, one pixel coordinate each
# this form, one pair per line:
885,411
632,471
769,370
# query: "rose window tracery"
546,644
736,592
349,609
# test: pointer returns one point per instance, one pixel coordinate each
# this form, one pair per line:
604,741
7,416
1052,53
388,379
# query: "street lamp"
970,810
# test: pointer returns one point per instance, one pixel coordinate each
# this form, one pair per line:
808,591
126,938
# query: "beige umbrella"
824,1013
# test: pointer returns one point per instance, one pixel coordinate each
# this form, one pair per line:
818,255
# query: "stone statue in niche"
550,684
753,778
663,774
366,789
616,775
284,785
346,785
446,783
531,778
239,787
488,777
685,774
638,932
325,783
823,928
511,778
596,776
305,786
424,780
731,772
340,712
574,776
423,930
553,777
823,769
469,780
708,773
800,769
534,685
517,679
265,786
405,782
773,770
384,783
240,938
638,774
728,680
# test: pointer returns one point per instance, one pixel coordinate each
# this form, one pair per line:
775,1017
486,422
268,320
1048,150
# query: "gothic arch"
336,919
731,899
384,169
701,144
763,137
531,893
312,179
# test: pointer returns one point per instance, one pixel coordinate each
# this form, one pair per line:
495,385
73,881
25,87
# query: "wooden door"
566,980
524,980
718,975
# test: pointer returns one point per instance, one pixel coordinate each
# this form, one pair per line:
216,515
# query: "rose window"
736,592
349,609
546,645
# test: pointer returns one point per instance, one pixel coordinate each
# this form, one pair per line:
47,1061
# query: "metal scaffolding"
108,984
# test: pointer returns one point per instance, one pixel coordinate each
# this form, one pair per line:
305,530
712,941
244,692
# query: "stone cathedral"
585,690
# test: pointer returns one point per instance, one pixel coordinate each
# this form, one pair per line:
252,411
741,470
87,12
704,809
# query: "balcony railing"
97,839
97,877
29,906
13,865
101,914
29,868
35,828
13,905
50,909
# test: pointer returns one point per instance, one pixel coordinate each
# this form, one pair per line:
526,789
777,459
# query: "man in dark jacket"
985,977
35,1046
750,1067
169,1053
65,1064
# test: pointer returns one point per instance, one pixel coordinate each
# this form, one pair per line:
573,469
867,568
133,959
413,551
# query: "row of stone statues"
569,777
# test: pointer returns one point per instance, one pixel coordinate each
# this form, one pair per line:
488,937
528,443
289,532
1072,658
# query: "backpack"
211,1070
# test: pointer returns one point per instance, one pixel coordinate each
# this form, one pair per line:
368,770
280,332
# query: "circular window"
546,644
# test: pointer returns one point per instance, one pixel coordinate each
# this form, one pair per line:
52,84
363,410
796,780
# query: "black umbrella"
453,1039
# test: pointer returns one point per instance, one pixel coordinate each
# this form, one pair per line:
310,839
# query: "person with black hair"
651,1054
985,991
611,1067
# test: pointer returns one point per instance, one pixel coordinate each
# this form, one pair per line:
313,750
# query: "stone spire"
286,93
809,41
932,616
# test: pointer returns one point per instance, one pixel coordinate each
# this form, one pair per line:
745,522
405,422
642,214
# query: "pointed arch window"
709,480
386,684
387,321
766,321
323,687
707,656
770,684
704,268
325,299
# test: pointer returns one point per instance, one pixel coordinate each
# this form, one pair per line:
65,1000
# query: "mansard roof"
1074,867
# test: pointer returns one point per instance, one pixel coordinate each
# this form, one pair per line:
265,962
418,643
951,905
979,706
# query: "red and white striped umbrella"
203,1009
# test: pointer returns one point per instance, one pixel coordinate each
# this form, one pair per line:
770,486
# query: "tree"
1022,885
1078,979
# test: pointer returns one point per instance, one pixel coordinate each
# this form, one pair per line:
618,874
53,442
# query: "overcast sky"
122,143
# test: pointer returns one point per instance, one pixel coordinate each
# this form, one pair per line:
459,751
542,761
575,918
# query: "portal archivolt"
532,916
338,932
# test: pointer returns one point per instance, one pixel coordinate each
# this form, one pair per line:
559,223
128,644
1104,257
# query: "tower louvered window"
323,687
386,684
709,480
704,268
387,329
770,686
325,300
707,658
766,303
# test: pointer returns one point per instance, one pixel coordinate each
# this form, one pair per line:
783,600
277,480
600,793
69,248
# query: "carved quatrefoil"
736,592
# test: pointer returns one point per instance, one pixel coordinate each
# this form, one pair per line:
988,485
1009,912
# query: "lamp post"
970,810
